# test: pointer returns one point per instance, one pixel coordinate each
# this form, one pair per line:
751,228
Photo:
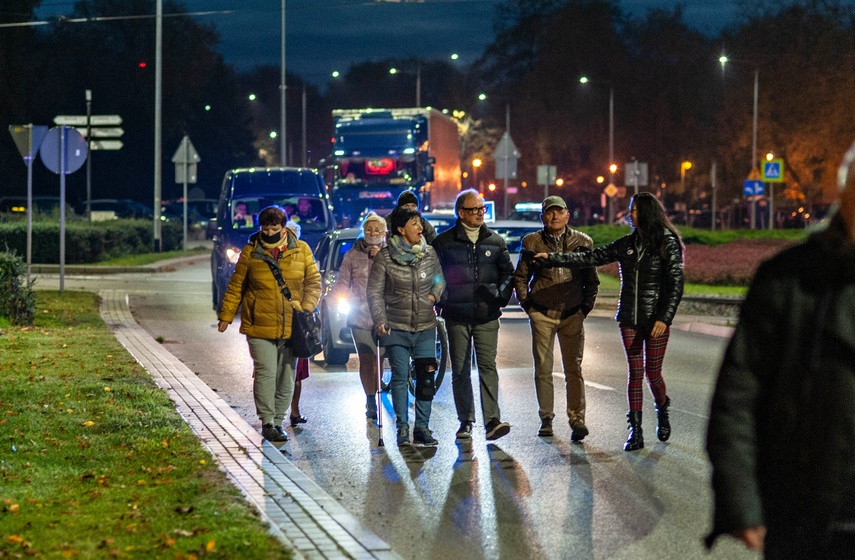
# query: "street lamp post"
723,59
283,157
418,82
612,164
476,163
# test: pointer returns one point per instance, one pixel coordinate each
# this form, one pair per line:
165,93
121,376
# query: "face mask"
270,239
374,240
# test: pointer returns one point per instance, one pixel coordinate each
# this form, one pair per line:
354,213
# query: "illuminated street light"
770,156
612,166
336,74
685,166
723,59
476,163
601,179
454,56
492,187
252,97
393,70
273,134
482,96
559,182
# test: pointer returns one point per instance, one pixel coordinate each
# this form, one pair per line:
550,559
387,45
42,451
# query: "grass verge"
95,460
608,282
148,258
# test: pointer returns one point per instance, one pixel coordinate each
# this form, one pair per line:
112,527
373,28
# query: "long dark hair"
651,222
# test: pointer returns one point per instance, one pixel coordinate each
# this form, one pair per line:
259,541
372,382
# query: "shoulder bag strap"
277,274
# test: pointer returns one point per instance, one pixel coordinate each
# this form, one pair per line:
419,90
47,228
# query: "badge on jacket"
488,253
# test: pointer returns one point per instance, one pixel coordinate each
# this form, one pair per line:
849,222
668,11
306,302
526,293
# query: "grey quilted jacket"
398,293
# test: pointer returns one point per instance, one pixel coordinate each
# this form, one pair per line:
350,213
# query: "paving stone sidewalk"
299,512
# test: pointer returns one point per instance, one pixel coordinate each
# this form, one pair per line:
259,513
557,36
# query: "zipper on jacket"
639,251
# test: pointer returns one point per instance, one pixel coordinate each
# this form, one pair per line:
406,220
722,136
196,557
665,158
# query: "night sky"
327,35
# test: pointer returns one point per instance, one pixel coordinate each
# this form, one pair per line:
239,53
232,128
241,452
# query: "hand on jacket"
222,326
658,329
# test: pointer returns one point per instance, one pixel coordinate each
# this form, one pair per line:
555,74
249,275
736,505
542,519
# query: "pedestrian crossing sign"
773,171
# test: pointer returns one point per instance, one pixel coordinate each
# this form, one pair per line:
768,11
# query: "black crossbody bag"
305,338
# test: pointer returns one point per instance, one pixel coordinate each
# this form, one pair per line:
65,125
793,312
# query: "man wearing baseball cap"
557,300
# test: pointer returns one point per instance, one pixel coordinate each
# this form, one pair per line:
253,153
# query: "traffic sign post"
506,156
773,172
28,138
752,188
546,175
63,151
185,160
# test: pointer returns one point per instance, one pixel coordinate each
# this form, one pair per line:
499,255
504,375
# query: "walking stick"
379,392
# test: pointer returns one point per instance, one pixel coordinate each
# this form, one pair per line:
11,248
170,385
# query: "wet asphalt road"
519,497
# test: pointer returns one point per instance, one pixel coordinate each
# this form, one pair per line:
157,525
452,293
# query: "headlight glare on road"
343,306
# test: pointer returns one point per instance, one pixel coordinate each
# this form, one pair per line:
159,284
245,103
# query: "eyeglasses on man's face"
476,209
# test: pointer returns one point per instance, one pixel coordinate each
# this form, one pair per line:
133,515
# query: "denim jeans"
400,347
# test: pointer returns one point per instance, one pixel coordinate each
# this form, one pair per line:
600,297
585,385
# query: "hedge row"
87,242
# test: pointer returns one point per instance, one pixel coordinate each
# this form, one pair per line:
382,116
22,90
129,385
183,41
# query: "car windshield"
305,210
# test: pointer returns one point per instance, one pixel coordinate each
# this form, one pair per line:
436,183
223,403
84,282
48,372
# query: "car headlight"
343,306
232,254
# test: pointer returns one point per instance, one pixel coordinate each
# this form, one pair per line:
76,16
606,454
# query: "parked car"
116,208
337,338
199,211
49,205
245,192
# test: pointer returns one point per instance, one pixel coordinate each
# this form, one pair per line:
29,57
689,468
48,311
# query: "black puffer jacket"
477,275
651,286
782,423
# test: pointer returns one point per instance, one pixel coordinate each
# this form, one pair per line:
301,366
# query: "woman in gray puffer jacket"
352,284
651,273
404,284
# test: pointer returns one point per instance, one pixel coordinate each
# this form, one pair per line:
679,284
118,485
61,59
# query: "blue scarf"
404,253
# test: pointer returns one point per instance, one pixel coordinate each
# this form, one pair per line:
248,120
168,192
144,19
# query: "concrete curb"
298,511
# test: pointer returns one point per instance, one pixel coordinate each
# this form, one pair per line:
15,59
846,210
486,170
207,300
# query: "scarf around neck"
404,253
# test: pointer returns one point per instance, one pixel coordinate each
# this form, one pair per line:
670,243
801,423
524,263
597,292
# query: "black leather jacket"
651,286
477,275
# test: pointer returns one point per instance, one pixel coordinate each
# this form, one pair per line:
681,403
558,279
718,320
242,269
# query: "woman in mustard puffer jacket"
266,312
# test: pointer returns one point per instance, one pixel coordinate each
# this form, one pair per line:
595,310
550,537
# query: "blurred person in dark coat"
781,434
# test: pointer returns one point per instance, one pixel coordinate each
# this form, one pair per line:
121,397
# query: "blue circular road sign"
76,150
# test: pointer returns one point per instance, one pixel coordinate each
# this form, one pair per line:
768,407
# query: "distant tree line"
673,101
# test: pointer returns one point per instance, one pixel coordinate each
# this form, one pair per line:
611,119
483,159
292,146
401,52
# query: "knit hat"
408,197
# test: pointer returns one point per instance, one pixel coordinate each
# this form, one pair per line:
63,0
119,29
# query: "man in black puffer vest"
477,270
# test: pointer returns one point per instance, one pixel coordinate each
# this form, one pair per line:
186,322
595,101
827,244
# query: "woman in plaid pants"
651,272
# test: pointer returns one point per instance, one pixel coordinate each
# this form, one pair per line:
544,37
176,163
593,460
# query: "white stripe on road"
560,375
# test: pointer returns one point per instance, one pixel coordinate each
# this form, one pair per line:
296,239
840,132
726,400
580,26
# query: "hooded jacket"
265,313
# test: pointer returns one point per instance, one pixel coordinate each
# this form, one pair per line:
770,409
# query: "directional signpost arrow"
107,145
103,132
94,120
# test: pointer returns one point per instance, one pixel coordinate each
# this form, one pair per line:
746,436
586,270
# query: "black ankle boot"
663,429
636,437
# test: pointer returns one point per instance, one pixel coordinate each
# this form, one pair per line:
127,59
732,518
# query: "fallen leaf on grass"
210,546
88,423
14,508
